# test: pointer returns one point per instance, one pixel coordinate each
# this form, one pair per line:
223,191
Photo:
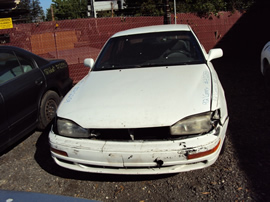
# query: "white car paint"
143,98
136,97
151,29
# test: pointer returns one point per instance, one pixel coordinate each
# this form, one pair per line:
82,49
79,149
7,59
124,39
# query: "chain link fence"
75,40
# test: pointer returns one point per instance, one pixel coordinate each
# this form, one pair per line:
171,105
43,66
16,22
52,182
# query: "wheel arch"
39,124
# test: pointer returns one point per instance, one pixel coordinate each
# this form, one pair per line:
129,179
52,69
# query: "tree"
25,6
73,9
68,9
239,4
201,7
34,12
205,7
152,7
142,7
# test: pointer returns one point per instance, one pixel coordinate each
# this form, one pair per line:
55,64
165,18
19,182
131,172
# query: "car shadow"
247,97
45,161
16,143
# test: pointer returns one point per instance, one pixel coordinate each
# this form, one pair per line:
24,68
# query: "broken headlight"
70,129
196,124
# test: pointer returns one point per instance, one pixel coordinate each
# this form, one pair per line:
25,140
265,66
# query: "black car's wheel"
48,107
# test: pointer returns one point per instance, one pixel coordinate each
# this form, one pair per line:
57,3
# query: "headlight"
70,129
196,124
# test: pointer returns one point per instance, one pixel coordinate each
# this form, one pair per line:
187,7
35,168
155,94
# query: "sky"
45,4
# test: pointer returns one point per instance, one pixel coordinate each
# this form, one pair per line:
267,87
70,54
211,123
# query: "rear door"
21,85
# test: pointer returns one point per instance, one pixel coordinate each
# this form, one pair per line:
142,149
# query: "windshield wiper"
115,67
125,66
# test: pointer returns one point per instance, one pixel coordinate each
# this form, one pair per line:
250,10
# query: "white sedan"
151,104
265,64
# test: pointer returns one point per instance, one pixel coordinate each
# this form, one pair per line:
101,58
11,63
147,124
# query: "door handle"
38,82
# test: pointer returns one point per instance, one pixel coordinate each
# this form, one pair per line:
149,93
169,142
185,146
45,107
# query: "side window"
12,66
26,64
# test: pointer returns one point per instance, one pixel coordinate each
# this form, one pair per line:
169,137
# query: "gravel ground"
240,174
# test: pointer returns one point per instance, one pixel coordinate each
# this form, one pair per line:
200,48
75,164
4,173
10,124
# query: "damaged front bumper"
138,157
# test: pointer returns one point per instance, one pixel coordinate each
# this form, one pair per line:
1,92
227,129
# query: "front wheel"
48,107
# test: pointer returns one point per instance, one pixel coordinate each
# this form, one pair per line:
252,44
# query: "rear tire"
48,107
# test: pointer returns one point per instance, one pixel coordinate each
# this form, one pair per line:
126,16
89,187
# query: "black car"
31,88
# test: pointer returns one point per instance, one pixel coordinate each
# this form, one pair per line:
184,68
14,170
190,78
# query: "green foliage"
205,7
68,9
105,14
152,7
201,7
142,7
239,4
24,4
34,12
73,9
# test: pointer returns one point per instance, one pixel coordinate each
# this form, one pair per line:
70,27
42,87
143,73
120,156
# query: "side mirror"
89,62
214,54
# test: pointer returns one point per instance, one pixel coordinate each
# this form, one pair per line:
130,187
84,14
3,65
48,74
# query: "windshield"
150,50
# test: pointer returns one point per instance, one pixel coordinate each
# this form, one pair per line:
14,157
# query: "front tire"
48,107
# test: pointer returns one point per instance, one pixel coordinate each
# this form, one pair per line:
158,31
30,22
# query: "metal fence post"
167,14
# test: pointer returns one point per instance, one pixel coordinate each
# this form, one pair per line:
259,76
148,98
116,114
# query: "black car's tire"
48,107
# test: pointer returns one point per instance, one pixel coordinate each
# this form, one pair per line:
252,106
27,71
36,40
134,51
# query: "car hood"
136,98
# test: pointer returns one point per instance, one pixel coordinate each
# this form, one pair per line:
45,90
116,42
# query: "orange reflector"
205,153
59,152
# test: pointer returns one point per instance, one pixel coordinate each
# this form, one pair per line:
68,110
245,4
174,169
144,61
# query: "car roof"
11,47
15,48
155,28
40,60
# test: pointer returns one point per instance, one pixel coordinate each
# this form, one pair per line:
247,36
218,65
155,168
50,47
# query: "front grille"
158,133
